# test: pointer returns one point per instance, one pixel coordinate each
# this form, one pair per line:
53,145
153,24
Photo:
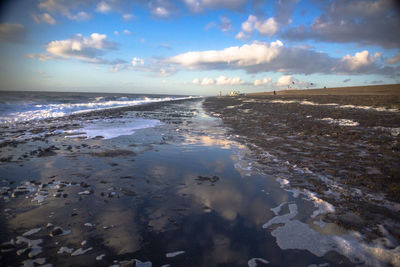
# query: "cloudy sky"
197,46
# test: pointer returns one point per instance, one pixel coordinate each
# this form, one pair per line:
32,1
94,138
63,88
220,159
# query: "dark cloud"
365,22
284,10
12,33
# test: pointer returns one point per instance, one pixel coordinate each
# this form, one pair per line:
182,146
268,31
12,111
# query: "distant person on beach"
274,92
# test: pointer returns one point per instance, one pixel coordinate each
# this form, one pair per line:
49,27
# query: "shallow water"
182,193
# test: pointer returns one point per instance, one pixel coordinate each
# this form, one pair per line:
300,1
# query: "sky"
197,47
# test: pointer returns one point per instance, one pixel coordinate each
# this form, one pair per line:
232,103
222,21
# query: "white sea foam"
309,103
253,262
341,122
283,218
112,128
321,205
297,235
277,209
394,131
28,111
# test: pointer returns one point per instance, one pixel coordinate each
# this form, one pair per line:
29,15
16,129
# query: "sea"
26,106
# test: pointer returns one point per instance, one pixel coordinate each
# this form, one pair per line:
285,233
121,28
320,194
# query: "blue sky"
197,47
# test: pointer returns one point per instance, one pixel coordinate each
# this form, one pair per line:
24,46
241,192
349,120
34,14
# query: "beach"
230,181
342,146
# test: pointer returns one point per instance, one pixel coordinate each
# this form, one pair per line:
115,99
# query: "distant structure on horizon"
234,93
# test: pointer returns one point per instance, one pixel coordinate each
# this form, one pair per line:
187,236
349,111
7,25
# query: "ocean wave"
27,111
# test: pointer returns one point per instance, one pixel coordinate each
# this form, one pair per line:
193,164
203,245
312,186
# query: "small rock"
63,250
31,232
86,192
100,257
80,251
56,231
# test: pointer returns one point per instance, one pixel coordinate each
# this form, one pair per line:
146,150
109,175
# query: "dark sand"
352,152
374,90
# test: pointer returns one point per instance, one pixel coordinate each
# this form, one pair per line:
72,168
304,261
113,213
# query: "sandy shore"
195,190
343,147
388,89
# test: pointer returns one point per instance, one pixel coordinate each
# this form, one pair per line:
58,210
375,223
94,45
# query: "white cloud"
80,16
41,57
82,48
222,80
359,60
117,67
137,62
265,27
285,80
290,82
126,32
161,12
103,7
224,25
207,81
262,82
246,55
163,9
264,57
12,33
242,36
116,32
45,17
64,8
394,60
127,17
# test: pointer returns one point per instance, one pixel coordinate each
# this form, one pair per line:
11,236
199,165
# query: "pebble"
65,250
57,231
100,257
31,232
86,192
253,262
174,254
80,251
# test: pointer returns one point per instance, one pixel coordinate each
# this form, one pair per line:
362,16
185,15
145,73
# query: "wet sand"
192,190
345,148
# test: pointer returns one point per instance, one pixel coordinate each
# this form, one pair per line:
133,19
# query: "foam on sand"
341,122
309,103
253,262
298,235
112,128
